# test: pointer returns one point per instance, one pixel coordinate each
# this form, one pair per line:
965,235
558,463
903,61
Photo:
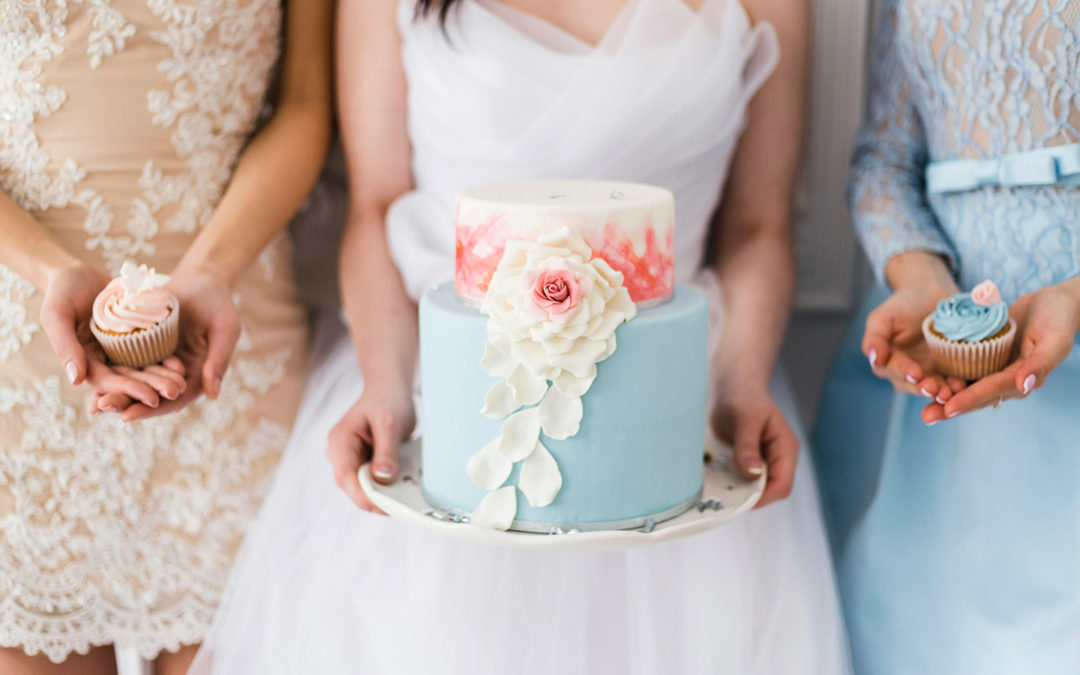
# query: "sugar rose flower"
986,294
553,308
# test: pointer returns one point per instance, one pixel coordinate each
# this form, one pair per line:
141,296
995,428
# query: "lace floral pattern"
112,532
971,79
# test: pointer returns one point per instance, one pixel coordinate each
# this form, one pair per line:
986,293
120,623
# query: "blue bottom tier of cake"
638,453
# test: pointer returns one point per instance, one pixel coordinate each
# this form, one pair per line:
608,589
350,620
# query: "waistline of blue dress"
1058,165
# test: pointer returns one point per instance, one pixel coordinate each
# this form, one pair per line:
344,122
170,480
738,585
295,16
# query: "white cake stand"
725,495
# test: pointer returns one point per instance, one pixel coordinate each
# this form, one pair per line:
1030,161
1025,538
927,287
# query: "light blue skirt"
957,546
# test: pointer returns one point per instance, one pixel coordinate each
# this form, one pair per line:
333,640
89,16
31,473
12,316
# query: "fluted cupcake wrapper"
969,360
144,347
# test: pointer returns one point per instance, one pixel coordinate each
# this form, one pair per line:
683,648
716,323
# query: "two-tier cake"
563,373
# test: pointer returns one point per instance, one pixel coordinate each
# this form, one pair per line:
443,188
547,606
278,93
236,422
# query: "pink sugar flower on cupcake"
136,321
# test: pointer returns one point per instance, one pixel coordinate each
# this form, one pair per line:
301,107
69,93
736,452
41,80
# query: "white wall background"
831,271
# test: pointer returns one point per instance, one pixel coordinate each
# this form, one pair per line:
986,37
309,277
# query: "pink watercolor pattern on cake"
647,275
478,252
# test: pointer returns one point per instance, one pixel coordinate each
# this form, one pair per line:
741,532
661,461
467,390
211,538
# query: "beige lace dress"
120,124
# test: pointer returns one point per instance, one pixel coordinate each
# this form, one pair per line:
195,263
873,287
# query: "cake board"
726,494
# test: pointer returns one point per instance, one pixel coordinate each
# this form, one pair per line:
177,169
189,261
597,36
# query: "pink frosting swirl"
119,310
556,292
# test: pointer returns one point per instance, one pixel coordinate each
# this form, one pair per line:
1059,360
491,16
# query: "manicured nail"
922,390
112,408
1029,383
930,424
873,358
755,469
952,414
910,379
72,371
382,472
938,399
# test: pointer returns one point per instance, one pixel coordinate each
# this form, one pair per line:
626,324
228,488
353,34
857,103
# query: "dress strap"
1058,165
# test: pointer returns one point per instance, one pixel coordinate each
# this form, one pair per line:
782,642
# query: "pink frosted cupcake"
136,321
970,335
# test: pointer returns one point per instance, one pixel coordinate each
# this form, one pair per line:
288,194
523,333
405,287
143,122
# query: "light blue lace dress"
958,546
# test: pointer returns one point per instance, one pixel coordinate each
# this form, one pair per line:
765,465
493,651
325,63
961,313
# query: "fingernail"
952,414
72,371
755,469
382,472
1029,383
938,399
910,379
930,424
873,358
112,408
922,390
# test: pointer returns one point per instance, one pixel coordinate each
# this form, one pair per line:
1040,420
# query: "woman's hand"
373,429
1047,322
894,345
209,330
66,313
749,420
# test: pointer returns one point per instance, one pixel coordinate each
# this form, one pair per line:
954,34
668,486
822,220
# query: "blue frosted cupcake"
970,335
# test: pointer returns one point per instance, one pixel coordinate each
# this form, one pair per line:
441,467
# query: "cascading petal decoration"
552,313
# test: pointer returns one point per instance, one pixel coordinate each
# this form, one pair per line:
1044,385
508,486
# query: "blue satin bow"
1059,165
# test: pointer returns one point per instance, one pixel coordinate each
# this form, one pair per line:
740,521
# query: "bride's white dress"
322,587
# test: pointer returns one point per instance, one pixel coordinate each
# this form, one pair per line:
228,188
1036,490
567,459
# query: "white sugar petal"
532,354
489,468
528,388
622,303
572,385
500,401
582,358
609,349
609,323
496,361
560,415
540,479
519,434
497,510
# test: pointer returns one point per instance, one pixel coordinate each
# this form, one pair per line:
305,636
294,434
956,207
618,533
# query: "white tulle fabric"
324,588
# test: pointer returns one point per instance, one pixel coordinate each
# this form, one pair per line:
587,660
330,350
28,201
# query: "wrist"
740,380
922,271
201,267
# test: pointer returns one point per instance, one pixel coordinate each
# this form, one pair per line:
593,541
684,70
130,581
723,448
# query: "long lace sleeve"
886,191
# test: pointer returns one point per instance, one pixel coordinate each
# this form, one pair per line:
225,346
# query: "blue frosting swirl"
960,318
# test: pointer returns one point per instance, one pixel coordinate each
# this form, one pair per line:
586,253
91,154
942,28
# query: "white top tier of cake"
630,225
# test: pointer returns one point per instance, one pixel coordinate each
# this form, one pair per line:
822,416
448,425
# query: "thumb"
386,435
747,445
222,341
1034,368
59,326
877,337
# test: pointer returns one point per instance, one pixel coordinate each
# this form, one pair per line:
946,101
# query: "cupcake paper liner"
144,347
969,360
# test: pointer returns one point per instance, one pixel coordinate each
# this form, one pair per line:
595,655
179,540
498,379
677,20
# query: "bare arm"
381,316
275,173
282,162
754,258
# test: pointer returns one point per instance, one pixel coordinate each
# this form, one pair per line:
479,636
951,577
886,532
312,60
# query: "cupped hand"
894,345
750,421
66,312
1047,322
373,429
209,330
